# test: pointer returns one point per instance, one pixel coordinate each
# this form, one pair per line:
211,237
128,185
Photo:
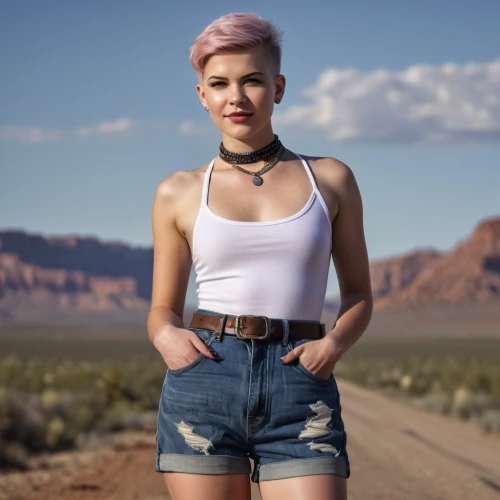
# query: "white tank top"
277,269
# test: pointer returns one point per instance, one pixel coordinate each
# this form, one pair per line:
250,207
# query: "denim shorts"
214,415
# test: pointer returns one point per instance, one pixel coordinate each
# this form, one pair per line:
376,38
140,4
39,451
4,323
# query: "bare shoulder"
336,181
331,170
180,186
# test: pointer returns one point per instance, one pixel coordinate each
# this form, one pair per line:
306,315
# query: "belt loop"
222,327
286,331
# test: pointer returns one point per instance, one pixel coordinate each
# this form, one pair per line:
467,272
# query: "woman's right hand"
179,346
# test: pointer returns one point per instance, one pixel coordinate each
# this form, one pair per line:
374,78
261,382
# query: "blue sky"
98,105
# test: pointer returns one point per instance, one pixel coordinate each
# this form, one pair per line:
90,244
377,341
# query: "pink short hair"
234,32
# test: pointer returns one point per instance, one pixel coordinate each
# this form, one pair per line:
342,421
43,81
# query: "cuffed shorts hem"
301,467
202,464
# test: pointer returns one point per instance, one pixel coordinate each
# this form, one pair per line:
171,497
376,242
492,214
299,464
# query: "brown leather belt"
256,327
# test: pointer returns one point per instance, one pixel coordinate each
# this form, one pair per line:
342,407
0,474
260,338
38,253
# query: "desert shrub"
467,403
23,420
119,417
462,387
51,404
489,420
438,402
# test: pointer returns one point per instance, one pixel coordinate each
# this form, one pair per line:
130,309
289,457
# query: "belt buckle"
242,336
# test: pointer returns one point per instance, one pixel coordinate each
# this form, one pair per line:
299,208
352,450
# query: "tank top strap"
310,174
316,190
206,180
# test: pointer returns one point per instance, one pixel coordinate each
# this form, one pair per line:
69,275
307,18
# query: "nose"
237,95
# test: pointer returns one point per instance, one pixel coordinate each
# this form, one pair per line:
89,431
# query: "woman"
252,374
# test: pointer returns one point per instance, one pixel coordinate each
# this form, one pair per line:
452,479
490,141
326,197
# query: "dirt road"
396,453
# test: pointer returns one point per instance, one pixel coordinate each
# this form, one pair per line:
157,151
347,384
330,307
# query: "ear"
201,94
280,84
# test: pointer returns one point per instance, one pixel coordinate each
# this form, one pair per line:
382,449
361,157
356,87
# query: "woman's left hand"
318,356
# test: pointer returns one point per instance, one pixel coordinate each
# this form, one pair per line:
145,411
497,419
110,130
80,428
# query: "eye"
216,84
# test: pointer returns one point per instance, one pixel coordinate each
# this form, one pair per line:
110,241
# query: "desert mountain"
425,294
48,278
390,275
81,279
470,273
89,255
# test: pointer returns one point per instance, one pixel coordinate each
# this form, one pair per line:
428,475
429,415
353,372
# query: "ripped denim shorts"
214,415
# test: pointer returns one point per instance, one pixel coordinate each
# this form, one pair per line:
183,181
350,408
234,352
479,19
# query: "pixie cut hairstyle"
235,32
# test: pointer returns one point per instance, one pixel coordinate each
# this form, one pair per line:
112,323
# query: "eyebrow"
245,76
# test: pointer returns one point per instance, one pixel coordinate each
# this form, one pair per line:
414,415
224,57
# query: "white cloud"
105,128
429,104
38,134
30,134
191,128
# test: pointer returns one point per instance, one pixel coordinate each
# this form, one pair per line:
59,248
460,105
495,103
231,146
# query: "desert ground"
396,452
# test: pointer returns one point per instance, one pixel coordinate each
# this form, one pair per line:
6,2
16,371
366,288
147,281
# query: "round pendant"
257,180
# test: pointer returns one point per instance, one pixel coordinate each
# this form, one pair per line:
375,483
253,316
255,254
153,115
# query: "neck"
248,144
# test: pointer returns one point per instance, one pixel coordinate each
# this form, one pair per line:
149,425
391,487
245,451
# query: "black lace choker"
251,156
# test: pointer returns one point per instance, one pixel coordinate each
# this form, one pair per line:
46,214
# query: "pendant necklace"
274,148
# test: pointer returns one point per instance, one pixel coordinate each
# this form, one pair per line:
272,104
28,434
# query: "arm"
171,268
171,261
350,258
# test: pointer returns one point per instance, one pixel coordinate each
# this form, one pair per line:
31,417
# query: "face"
241,81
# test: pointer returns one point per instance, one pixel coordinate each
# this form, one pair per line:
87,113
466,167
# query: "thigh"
201,415
305,434
182,486
319,487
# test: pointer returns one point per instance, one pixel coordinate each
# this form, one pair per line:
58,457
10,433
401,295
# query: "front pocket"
297,365
207,336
